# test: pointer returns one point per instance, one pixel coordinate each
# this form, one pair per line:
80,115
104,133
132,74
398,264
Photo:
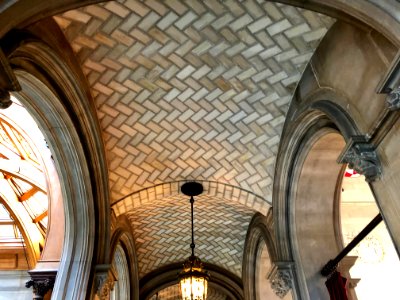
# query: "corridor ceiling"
192,90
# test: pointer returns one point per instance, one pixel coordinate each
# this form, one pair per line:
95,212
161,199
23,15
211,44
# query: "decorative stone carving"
101,277
42,282
40,287
393,99
99,282
362,157
105,280
5,99
281,281
107,287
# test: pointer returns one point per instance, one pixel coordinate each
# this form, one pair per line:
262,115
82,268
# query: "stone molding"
122,237
281,278
260,231
78,198
362,157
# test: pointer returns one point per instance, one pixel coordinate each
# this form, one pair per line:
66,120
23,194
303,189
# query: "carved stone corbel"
281,278
393,99
362,157
5,99
107,287
8,82
41,282
100,279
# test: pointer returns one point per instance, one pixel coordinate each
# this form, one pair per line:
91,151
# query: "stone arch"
220,279
259,234
305,189
122,286
122,238
314,226
320,113
55,95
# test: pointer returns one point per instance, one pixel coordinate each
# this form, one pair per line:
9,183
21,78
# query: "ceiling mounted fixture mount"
193,278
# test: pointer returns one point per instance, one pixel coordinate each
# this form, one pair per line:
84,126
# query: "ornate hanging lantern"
193,278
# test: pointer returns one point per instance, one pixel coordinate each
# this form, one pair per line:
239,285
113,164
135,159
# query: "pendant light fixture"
193,280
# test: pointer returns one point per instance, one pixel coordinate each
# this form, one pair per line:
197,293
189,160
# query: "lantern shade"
193,288
193,280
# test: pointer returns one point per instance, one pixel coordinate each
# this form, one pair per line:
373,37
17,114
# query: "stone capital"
107,287
105,280
100,276
41,282
393,99
5,99
362,157
281,278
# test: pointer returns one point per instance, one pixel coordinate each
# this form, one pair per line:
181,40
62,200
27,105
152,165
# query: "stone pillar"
281,278
42,282
8,82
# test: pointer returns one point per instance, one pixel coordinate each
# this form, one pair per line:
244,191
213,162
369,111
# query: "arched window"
263,270
121,289
24,203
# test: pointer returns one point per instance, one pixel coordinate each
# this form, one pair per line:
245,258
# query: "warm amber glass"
193,288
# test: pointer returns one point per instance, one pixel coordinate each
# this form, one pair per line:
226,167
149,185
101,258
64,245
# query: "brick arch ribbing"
211,188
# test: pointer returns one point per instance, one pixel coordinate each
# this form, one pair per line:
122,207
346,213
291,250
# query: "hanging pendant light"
193,278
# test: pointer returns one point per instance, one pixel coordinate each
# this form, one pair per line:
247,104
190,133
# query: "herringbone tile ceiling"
192,90
162,232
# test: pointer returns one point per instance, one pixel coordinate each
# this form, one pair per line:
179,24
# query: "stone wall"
336,95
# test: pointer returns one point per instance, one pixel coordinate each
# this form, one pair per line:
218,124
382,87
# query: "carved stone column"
281,278
362,157
8,82
42,282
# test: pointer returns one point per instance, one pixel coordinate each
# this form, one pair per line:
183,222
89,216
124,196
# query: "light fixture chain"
192,245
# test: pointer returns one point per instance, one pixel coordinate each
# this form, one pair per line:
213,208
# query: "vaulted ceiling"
192,90
163,234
